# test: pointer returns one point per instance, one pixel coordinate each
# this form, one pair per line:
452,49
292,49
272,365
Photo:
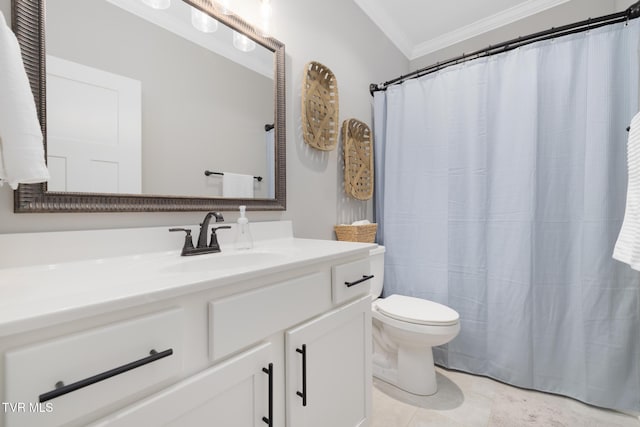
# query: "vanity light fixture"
265,17
242,42
203,22
157,4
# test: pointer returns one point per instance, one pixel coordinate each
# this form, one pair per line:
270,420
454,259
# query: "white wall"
333,32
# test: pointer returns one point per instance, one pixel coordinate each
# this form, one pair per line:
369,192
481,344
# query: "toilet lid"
417,310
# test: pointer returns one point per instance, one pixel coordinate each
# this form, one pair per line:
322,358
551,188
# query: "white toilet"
404,330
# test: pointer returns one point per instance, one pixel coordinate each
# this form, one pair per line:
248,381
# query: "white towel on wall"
271,164
627,247
21,149
237,185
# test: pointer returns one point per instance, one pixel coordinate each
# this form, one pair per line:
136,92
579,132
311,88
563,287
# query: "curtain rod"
632,12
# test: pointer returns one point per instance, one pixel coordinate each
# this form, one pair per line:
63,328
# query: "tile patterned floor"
465,400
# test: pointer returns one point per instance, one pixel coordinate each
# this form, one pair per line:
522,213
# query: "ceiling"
419,27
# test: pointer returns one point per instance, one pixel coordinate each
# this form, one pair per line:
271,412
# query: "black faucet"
202,247
204,227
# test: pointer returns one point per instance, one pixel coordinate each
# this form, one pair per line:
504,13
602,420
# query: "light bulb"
242,42
203,22
157,4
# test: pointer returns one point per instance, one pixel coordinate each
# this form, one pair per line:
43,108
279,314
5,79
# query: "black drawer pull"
303,394
364,279
269,371
62,389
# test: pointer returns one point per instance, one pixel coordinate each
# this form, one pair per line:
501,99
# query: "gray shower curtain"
500,192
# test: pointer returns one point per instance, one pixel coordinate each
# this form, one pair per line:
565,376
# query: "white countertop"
35,296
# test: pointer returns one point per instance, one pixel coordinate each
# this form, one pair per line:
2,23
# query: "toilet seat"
417,310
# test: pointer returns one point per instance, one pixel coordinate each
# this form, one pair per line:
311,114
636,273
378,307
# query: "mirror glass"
143,101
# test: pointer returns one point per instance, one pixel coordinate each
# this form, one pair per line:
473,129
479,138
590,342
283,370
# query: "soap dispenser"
243,236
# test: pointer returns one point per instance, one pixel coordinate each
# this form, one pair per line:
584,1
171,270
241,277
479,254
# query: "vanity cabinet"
279,347
328,376
325,363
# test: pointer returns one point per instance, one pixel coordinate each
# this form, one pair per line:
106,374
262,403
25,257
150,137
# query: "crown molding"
484,25
388,26
396,34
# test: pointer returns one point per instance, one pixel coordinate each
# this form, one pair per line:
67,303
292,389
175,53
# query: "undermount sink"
224,261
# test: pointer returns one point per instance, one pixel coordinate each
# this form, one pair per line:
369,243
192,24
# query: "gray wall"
340,36
572,11
334,32
623,4
193,119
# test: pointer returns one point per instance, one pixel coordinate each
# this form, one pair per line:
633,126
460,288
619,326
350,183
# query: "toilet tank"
376,259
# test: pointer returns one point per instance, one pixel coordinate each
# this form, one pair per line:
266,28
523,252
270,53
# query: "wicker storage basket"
358,159
320,107
365,233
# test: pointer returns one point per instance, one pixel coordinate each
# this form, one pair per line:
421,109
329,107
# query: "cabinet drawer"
350,280
241,320
231,393
98,368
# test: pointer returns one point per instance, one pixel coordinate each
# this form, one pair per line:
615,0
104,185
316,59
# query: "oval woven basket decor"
320,107
358,159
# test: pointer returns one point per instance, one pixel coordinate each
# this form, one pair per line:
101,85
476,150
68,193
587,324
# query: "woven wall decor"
358,159
320,107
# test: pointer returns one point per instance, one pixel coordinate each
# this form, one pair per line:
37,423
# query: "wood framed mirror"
173,161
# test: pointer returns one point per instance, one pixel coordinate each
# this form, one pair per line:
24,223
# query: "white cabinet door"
235,393
328,369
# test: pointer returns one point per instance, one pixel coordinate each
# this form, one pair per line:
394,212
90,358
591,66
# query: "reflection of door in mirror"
94,121
200,110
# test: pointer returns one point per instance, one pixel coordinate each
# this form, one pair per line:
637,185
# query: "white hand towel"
237,185
271,164
627,247
21,148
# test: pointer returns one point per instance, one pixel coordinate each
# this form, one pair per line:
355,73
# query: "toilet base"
414,371
417,373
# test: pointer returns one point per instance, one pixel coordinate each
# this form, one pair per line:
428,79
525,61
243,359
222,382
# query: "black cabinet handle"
269,371
303,395
62,389
364,279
